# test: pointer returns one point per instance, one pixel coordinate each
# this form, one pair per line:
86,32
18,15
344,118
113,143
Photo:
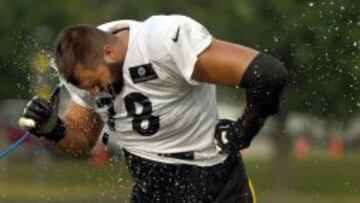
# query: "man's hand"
229,136
45,115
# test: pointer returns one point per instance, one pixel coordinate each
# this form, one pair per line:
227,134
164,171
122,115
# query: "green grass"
316,179
63,181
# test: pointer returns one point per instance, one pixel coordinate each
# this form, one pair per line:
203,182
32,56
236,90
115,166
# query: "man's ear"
109,54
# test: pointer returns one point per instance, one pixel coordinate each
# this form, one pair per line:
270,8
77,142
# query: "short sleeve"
188,39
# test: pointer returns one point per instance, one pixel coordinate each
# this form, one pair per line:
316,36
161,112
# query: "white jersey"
161,113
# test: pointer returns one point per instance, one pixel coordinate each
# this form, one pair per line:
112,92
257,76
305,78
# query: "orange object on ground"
301,147
100,155
336,148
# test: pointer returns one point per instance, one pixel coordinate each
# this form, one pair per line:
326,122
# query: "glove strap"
58,133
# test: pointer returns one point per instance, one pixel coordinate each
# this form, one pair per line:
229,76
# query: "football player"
150,88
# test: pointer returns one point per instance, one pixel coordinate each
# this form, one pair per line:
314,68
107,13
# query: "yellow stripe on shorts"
252,190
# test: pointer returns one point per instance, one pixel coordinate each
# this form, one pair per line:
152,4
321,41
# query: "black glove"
45,115
230,136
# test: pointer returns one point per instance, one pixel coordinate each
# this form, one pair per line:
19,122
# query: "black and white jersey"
161,114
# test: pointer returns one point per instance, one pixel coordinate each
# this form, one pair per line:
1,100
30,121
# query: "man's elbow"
277,78
265,71
265,80
278,74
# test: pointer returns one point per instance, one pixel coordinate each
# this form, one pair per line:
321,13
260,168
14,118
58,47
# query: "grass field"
317,180
314,180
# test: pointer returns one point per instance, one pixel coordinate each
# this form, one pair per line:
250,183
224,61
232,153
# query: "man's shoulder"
159,25
155,36
167,19
164,23
164,30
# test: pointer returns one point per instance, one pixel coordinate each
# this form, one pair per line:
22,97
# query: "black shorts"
159,182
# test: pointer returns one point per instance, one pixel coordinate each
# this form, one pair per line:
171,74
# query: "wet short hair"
79,46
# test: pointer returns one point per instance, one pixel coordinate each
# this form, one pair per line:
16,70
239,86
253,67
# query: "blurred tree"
319,43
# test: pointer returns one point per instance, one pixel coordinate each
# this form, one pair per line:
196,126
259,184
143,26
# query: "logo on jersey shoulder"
175,39
142,73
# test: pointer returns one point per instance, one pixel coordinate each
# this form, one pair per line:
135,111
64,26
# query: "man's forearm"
250,124
81,132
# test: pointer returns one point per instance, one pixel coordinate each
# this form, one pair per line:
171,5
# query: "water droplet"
276,39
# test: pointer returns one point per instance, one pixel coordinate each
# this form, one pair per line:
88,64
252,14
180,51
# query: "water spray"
27,123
